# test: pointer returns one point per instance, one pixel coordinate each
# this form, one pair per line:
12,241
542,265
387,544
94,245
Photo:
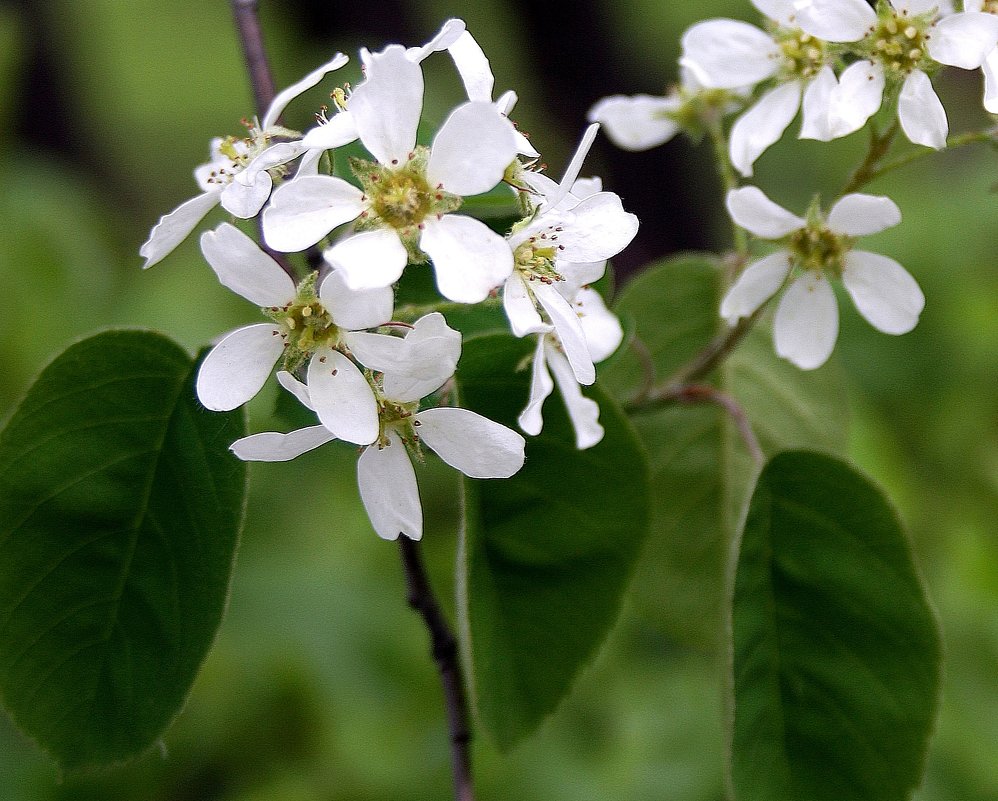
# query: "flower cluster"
838,62
374,376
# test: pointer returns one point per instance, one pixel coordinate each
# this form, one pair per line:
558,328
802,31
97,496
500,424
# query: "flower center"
305,325
816,248
534,258
803,55
399,417
899,41
400,194
990,7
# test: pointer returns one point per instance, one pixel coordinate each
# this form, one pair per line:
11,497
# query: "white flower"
726,53
603,335
238,175
902,44
319,327
818,249
404,209
640,122
563,246
472,444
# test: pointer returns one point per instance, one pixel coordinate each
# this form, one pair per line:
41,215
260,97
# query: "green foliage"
546,554
836,655
122,507
701,470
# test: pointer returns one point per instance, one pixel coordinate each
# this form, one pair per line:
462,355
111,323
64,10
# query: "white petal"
239,366
806,324
342,397
470,259
856,98
782,11
763,125
355,309
858,214
303,211
388,489
596,229
174,228
297,388
338,131
883,291
816,105
836,20
473,67
582,411
922,116
964,40
638,122
757,284
574,166
444,39
386,106
271,446
569,331
281,100
530,419
726,53
369,260
990,70
475,445
244,268
518,304
602,327
430,355
243,198
472,149
752,210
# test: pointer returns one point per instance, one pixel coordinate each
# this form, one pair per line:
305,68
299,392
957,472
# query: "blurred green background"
320,686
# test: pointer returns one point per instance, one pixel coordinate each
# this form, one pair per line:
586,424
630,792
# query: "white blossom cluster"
838,62
372,380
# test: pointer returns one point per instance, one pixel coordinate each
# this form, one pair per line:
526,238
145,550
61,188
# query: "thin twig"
262,80
444,649
705,393
251,37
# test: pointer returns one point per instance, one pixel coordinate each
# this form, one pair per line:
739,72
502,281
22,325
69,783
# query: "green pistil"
900,41
305,325
803,55
816,248
399,417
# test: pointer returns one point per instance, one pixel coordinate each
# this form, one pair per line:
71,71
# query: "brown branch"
444,649
262,80
251,37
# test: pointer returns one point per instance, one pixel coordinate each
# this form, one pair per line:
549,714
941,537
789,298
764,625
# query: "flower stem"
444,649
262,81
728,178
871,168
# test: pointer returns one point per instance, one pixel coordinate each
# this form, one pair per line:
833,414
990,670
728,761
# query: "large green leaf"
836,653
701,469
546,554
121,508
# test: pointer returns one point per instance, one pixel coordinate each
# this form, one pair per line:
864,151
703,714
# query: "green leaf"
836,653
546,555
120,515
701,469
